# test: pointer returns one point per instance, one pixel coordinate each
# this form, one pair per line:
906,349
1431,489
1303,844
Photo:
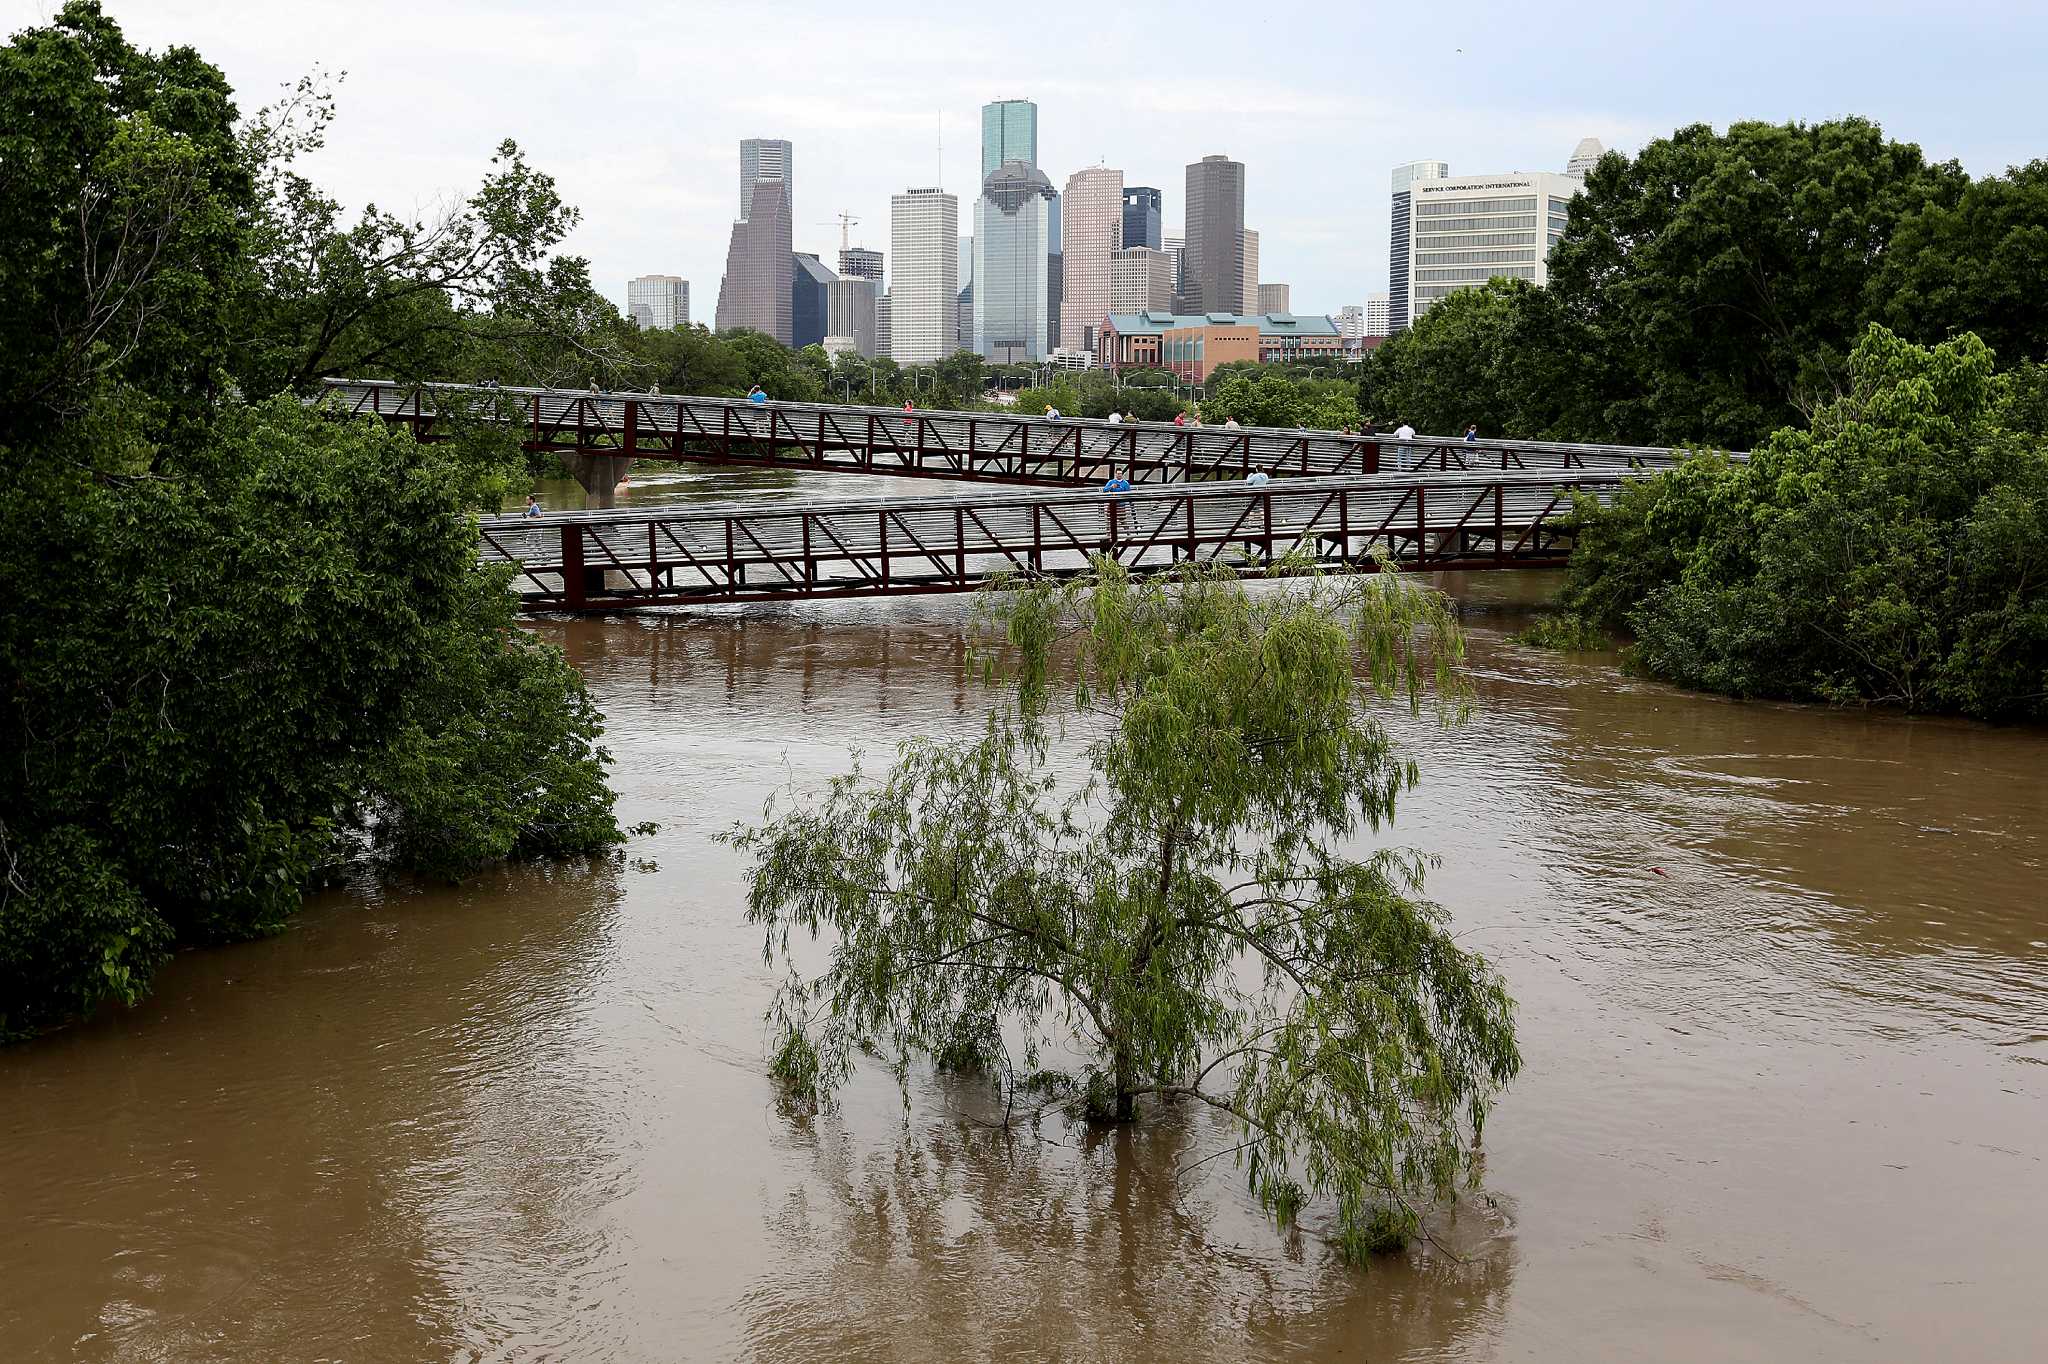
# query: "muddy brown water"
1783,977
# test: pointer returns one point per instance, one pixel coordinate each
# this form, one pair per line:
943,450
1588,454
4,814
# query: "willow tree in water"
1186,916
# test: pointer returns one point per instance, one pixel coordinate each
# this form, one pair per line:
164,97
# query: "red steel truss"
789,548
991,447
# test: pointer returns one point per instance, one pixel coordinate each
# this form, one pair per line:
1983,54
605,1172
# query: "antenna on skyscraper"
942,146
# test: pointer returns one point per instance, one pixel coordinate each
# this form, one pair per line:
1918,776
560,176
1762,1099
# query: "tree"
245,645
1894,553
1265,397
1722,277
1979,264
123,197
474,290
1504,356
1186,914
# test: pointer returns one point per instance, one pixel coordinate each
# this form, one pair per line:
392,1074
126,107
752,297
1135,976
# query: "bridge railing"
993,447
879,546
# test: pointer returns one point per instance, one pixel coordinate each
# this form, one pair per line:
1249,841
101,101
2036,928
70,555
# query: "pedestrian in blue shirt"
758,396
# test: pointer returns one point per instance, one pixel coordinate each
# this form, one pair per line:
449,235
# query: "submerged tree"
1186,914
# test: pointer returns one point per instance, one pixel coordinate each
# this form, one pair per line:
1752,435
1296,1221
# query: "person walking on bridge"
1471,432
758,396
1404,433
533,504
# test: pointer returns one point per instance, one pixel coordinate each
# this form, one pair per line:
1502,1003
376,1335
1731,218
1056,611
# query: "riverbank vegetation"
246,645
1185,914
1894,552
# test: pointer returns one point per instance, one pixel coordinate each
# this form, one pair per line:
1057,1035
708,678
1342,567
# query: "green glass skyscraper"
1009,132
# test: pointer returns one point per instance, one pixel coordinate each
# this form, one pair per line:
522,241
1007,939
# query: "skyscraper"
1275,298
767,158
757,289
1212,264
1175,248
924,240
1585,156
850,312
1405,179
808,308
1248,277
1141,281
1013,226
857,262
658,302
1141,217
1091,232
1009,132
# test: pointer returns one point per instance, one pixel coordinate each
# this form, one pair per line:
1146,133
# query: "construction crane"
846,222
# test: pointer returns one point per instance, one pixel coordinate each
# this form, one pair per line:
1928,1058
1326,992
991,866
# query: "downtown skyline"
1317,127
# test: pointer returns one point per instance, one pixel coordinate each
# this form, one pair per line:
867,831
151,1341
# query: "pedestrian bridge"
598,435
785,548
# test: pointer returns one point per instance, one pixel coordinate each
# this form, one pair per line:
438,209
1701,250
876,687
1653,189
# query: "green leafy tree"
1266,397
1896,552
475,289
1723,275
1499,356
244,643
1188,914
1979,264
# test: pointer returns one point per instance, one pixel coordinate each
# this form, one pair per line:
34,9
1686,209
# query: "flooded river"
1783,977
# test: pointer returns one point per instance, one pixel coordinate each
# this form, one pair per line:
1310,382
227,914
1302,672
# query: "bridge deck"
984,446
605,560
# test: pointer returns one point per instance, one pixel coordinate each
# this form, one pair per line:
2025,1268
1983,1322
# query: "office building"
658,302
1009,132
1406,178
1350,320
924,293
1458,232
857,262
1176,250
757,289
767,158
1248,280
1013,232
808,308
1091,232
1192,346
850,306
1585,156
1142,222
1141,281
885,334
1212,263
1274,298
1378,317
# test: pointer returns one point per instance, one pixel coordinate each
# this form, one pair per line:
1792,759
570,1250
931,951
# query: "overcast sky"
637,109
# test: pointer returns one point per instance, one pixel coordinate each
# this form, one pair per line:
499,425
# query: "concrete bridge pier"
600,475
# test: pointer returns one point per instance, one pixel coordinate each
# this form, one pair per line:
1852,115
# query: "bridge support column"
600,476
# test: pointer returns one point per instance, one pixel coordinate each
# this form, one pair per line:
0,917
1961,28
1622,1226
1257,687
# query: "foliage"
1978,265
243,641
1566,631
472,291
122,196
1897,552
1269,398
1186,914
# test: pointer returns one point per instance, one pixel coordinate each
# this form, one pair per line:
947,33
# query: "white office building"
1458,232
924,285
658,302
1378,315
